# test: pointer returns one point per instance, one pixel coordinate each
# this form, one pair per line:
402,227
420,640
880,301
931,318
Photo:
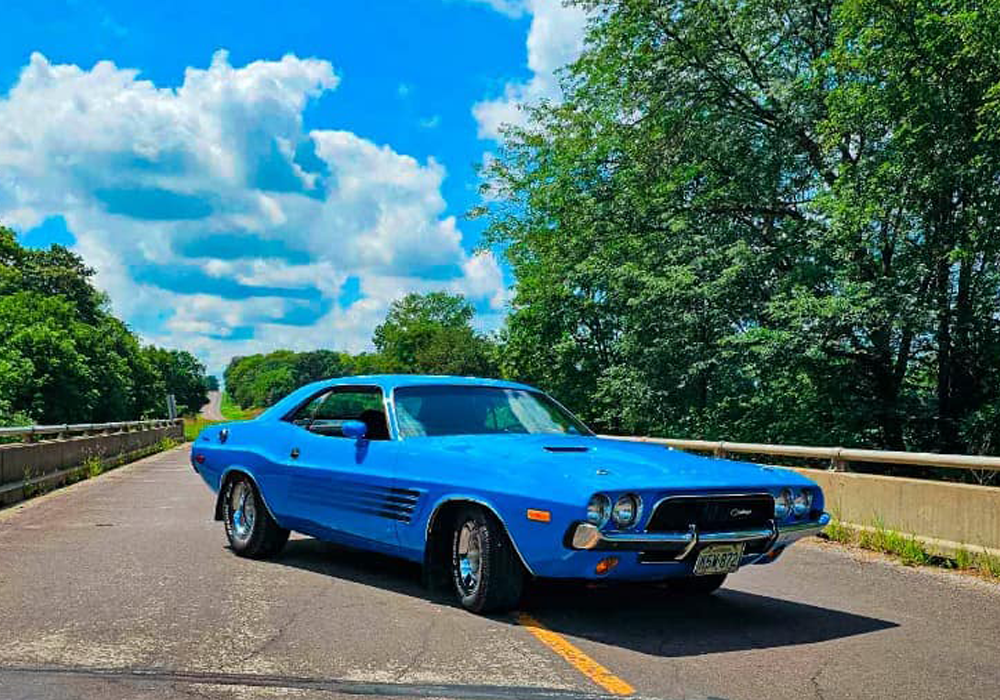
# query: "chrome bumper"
587,536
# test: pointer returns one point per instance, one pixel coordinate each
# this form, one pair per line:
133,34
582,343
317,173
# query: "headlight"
782,504
599,509
802,503
626,510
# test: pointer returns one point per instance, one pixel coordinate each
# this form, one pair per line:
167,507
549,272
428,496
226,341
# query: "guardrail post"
720,451
838,464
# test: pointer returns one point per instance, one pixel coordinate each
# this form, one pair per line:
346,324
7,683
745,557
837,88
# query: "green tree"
183,375
432,334
762,221
43,349
428,334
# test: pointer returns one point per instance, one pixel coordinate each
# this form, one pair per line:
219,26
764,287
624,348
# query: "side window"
304,416
326,413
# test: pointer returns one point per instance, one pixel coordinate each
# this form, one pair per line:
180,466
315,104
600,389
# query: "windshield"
478,410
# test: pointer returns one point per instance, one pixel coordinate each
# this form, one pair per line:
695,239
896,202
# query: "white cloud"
555,39
207,209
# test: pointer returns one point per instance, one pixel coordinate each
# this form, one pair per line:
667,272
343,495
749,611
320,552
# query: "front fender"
482,502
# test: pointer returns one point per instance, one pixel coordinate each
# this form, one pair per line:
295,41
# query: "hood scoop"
565,448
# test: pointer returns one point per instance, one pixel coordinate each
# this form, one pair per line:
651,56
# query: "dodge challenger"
487,483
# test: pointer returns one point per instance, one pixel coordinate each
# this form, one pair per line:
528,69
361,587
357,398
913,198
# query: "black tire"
261,536
697,585
499,579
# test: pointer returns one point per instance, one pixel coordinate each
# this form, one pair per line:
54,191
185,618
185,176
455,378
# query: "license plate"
718,559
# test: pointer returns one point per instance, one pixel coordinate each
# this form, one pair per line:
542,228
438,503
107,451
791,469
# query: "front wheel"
251,530
697,585
486,572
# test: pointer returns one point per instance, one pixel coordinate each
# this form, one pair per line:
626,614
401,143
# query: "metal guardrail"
839,457
29,432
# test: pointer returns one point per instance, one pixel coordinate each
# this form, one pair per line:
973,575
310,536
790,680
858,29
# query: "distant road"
122,588
213,409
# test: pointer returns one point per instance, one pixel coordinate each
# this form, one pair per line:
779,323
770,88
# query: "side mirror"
353,429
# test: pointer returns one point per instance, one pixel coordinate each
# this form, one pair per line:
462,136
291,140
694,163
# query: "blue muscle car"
488,482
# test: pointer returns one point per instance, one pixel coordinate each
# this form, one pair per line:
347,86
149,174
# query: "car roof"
391,381
386,382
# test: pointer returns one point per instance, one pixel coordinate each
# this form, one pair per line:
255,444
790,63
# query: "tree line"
64,358
422,334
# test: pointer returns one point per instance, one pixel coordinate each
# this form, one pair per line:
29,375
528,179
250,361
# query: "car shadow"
645,618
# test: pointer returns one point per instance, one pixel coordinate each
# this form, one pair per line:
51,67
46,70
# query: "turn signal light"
539,516
200,459
605,565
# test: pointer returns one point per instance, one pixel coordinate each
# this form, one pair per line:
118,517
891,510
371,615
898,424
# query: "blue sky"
246,176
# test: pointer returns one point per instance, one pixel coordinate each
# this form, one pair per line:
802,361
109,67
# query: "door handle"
295,453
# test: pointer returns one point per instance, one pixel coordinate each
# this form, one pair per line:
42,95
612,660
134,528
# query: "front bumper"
585,536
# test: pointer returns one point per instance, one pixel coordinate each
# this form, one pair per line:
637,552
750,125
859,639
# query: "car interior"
325,414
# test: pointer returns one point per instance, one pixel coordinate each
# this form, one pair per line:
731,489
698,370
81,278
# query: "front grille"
712,513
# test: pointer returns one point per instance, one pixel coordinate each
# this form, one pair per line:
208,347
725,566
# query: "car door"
341,488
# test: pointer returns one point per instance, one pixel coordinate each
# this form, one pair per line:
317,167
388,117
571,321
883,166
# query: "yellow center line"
574,656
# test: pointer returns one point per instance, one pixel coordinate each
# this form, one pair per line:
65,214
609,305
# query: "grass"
231,411
194,425
92,466
911,551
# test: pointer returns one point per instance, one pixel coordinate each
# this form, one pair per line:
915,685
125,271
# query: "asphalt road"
122,587
213,409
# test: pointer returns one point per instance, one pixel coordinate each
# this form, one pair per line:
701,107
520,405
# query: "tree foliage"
760,220
65,359
432,334
421,334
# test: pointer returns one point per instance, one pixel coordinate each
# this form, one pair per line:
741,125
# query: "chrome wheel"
243,511
469,556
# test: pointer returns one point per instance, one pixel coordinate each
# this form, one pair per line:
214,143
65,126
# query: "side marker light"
539,516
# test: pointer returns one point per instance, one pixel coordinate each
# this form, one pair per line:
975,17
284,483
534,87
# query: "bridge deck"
121,587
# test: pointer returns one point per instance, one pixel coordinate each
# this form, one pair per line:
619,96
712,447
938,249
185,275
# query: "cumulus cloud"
555,39
214,220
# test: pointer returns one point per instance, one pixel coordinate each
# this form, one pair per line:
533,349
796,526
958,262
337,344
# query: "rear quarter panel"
254,447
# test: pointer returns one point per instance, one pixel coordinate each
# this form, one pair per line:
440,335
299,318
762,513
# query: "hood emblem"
602,472
740,512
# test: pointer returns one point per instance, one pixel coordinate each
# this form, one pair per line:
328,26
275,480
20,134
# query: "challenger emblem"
740,512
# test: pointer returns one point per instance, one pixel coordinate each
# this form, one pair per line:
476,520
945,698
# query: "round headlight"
626,510
802,503
599,509
782,504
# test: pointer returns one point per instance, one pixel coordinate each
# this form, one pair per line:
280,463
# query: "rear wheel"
697,585
251,530
486,572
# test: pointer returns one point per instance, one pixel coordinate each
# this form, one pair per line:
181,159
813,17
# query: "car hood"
587,464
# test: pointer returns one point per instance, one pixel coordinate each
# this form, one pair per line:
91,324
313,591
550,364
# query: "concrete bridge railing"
945,516
48,455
